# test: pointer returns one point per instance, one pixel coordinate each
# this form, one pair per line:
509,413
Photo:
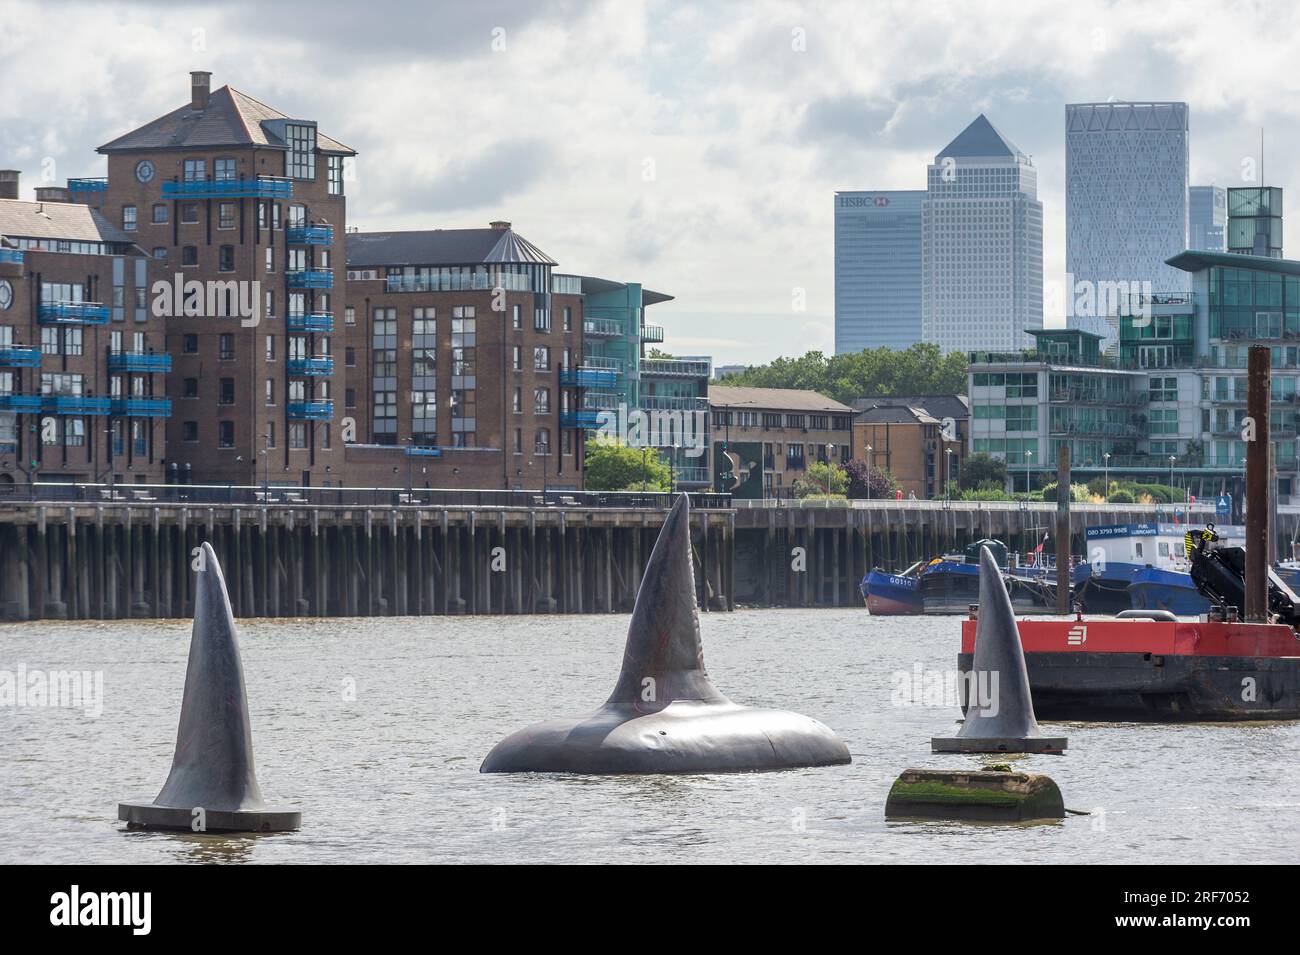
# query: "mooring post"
1258,491
1063,529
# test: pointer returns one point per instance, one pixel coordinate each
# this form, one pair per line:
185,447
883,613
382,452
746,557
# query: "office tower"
877,269
982,244
1207,218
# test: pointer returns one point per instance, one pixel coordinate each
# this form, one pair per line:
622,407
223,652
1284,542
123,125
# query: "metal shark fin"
213,764
1004,707
663,660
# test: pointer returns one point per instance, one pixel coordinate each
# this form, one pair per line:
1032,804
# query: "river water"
375,728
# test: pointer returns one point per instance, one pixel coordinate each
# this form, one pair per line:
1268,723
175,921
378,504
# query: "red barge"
1151,666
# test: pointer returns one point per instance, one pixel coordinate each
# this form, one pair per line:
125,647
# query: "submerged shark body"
665,715
212,786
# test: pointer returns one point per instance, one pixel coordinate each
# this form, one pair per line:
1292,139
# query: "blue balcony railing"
22,403
140,361
589,378
88,185
311,410
20,357
314,322
74,404
580,419
309,235
310,278
72,313
12,256
310,366
263,187
142,407
418,451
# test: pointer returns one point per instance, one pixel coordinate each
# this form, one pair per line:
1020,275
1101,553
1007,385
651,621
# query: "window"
225,215
517,406
300,160
227,394
226,260
191,388
270,258
517,359
349,315
225,434
1164,389
516,317
190,344
159,252
128,218
568,319
270,348
223,170
541,401
334,172
297,435
270,391
349,397
541,358
190,255
189,213
269,437
542,442
189,431
159,213
226,346
541,320
195,170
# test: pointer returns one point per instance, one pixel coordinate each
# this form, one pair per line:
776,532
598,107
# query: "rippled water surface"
392,776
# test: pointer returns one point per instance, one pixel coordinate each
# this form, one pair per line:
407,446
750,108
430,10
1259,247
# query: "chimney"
500,226
200,89
9,183
53,194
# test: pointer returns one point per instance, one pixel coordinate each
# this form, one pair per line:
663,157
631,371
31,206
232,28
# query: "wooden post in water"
1257,483
1063,529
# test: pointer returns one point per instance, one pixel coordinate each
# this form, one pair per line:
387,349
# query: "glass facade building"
1126,201
877,269
1207,218
981,244
1255,221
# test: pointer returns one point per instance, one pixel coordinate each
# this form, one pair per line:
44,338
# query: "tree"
919,370
980,469
822,480
882,484
616,467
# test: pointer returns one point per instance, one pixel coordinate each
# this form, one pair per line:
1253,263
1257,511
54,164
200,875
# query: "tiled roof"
782,399
937,406
56,220
232,118
442,247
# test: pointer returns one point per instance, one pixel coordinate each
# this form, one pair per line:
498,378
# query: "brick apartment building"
227,192
904,435
82,359
774,432
464,350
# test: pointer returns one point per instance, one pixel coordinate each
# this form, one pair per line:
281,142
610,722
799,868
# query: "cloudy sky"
693,147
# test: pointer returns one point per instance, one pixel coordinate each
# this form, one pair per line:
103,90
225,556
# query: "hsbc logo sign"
878,201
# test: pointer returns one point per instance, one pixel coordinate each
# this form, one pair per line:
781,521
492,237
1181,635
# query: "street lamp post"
869,449
947,482
1171,470
1105,491
1029,459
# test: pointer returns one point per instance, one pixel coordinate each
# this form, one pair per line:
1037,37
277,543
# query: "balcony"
419,451
313,322
310,366
673,403
457,282
11,256
579,419
140,361
310,278
652,333
692,476
72,313
76,186
676,367
309,235
142,407
311,410
601,400
588,378
263,187
74,404
20,357
20,403
602,328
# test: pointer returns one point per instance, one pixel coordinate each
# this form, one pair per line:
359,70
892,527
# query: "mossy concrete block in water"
974,794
